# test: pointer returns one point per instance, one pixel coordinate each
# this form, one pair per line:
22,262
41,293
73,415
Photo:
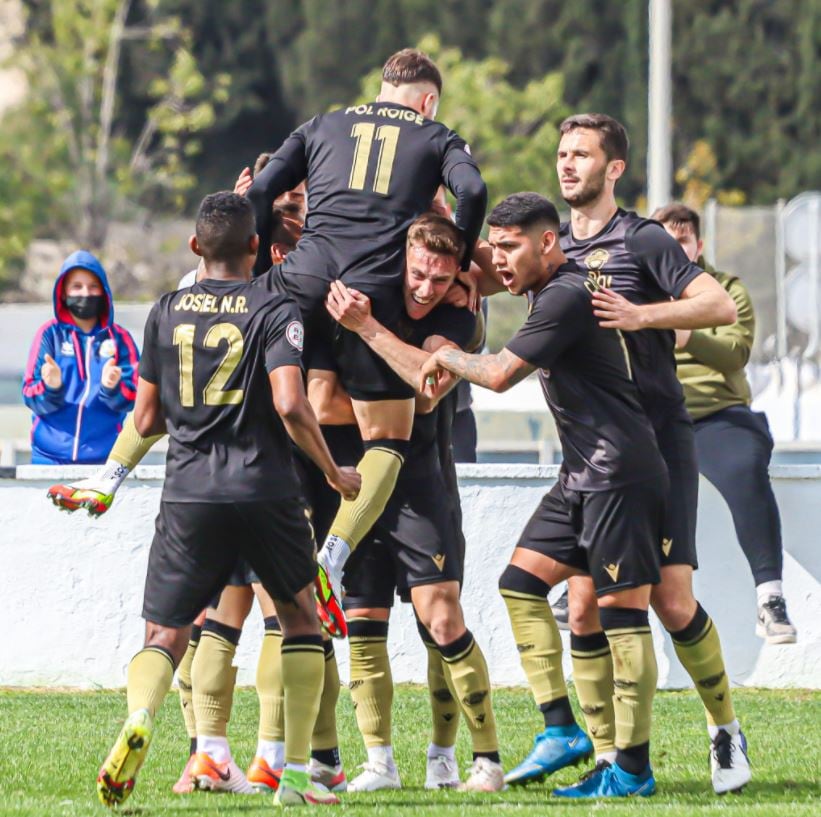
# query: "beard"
589,192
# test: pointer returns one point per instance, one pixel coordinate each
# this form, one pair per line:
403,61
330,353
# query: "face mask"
85,306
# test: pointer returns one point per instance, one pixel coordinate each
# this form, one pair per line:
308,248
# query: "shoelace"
600,766
723,749
777,608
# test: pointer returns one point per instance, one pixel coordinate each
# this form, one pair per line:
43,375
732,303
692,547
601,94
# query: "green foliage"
512,132
66,165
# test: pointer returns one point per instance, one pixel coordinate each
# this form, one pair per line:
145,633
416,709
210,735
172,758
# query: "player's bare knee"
173,640
298,617
674,609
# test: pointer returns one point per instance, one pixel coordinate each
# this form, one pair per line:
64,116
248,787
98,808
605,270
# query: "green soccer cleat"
296,789
115,781
74,497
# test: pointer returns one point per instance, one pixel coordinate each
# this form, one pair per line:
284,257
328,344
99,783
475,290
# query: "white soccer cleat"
773,622
729,764
331,777
484,775
209,775
442,773
375,777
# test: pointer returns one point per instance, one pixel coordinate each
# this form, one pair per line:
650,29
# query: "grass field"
51,745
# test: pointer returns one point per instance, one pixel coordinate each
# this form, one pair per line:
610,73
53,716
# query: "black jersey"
370,171
458,326
607,440
637,258
210,348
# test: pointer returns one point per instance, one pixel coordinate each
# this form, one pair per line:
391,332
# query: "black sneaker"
773,622
559,608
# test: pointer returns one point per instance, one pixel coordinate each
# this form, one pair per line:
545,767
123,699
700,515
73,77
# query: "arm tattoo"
497,371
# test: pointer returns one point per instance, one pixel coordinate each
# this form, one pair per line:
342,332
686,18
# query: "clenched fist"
111,374
51,374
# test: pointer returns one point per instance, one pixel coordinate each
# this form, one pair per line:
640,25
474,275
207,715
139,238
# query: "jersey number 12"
213,394
364,133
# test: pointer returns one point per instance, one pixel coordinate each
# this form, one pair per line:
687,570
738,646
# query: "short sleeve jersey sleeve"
148,367
284,337
662,257
558,318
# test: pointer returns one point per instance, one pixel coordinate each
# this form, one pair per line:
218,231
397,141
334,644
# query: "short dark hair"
612,134
286,226
679,215
437,234
225,223
524,210
411,65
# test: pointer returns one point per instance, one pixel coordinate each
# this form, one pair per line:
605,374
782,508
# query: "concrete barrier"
71,587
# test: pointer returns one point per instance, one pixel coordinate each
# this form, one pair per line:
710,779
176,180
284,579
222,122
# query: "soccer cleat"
484,775
262,777
561,612
610,781
209,775
553,749
296,789
729,764
115,782
75,497
441,773
328,606
374,777
773,622
330,777
185,785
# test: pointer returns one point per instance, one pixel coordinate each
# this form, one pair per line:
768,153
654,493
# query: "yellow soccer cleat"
296,789
115,781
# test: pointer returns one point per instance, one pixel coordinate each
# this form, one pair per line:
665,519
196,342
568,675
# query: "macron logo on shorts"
295,335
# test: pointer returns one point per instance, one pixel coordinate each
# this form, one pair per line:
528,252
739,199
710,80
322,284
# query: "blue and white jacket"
79,422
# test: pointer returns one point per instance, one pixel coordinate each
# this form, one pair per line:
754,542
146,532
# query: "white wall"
71,587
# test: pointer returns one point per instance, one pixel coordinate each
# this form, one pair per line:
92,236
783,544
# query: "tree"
66,165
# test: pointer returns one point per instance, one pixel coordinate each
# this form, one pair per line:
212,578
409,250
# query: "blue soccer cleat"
611,781
553,749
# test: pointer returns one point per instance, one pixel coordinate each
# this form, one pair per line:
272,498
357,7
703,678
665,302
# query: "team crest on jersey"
295,335
67,349
597,259
107,348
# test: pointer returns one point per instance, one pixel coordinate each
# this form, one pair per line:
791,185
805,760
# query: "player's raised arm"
462,177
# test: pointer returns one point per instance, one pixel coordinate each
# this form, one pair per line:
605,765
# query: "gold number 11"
388,135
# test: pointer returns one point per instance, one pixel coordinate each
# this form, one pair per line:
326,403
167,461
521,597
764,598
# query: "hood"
84,260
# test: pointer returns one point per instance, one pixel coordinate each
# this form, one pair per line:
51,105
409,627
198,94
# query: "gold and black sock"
634,681
325,741
269,684
150,674
371,680
593,679
303,671
379,469
467,671
129,447
213,678
444,707
184,684
538,642
699,649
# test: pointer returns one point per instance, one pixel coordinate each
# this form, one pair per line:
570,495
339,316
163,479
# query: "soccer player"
647,287
603,517
733,442
370,170
216,357
416,543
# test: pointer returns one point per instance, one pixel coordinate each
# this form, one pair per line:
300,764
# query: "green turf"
51,745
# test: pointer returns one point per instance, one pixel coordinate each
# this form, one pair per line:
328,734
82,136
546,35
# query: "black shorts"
415,542
197,545
614,536
677,444
362,372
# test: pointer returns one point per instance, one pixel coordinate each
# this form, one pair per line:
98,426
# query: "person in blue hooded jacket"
81,374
